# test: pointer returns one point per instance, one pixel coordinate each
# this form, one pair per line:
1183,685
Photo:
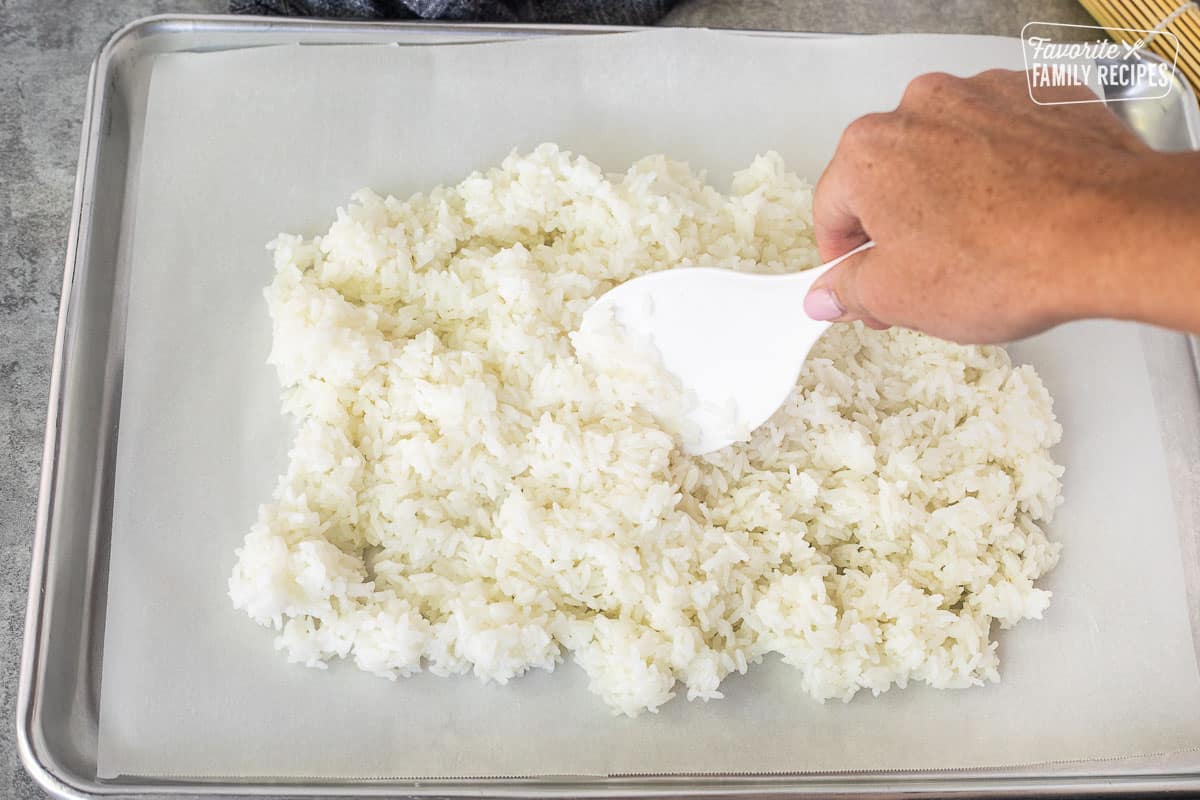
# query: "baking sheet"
241,145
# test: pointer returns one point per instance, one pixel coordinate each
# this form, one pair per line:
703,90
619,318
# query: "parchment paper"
241,145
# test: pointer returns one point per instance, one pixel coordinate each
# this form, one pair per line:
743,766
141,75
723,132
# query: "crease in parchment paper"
233,155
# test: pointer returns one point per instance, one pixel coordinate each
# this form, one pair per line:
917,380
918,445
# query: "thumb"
835,297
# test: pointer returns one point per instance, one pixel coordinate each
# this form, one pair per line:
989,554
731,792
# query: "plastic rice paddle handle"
735,342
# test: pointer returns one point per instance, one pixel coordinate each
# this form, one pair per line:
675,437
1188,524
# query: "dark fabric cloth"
585,12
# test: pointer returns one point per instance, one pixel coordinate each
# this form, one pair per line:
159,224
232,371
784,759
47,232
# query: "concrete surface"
46,47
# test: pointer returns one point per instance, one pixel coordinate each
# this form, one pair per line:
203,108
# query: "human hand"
995,218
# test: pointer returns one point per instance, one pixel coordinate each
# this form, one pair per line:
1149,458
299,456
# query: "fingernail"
823,306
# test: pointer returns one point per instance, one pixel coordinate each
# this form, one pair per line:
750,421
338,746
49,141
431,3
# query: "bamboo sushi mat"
1179,18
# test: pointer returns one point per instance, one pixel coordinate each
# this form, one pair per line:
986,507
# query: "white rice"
465,496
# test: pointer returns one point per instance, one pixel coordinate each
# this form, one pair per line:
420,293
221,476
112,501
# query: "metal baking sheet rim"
51,772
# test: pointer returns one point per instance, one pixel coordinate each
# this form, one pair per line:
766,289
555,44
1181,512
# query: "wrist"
1142,246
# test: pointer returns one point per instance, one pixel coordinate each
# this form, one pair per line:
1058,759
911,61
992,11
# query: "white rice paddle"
735,342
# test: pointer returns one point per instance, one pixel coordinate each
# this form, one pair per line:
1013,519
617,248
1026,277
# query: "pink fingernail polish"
823,305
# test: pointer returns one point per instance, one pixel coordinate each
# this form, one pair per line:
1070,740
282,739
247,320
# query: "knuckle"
996,75
997,83
1061,93
930,83
1001,78
864,129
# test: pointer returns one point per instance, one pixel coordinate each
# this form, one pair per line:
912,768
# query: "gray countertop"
45,51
